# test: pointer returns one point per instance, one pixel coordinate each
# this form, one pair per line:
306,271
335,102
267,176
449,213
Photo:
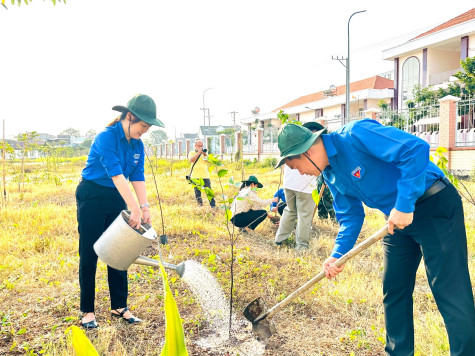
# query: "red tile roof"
375,82
466,16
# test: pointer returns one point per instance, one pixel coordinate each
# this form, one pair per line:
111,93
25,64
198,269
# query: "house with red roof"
431,58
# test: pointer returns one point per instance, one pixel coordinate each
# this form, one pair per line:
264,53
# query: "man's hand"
399,220
330,269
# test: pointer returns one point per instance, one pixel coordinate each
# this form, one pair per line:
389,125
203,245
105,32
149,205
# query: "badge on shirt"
137,156
356,172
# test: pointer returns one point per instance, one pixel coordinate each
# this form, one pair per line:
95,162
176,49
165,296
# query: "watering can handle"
342,260
142,228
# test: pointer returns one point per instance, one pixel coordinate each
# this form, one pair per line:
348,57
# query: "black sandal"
131,320
90,324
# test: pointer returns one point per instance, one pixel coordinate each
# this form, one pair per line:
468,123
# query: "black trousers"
97,208
280,208
249,219
207,183
437,233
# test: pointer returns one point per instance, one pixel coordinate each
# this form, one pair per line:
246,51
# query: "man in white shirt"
298,190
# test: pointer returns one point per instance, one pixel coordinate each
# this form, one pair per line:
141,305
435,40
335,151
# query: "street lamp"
205,143
347,105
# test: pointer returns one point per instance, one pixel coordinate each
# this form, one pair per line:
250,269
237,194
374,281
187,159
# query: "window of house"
410,78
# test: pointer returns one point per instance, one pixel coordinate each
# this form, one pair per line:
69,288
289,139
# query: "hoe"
260,317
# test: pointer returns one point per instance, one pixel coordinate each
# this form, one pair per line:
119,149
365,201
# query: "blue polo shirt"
111,155
380,166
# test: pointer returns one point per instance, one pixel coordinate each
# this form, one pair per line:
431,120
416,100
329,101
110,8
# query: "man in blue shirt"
389,169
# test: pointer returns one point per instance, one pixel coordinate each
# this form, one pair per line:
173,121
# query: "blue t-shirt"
380,166
278,194
111,155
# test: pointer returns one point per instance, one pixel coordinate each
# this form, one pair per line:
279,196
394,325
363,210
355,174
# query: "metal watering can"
121,245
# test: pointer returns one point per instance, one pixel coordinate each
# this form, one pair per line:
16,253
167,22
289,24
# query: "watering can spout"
179,269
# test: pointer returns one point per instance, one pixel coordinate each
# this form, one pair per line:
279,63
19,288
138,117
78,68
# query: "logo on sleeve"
137,156
356,172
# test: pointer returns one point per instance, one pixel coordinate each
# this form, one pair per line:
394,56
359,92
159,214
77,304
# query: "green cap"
253,179
294,140
143,107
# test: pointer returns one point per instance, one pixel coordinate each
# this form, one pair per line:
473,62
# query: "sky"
66,66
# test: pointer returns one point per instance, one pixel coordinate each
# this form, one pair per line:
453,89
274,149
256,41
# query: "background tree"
158,136
90,134
466,77
71,132
27,144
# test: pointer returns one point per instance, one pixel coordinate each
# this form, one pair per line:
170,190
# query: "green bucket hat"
143,107
294,140
314,126
253,179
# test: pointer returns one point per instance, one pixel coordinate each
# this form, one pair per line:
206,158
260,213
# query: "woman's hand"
135,220
330,269
146,217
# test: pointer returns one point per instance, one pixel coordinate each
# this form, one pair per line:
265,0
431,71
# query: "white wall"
439,61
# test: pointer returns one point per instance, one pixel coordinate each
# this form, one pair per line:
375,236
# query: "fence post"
373,113
448,123
180,149
260,142
222,144
187,147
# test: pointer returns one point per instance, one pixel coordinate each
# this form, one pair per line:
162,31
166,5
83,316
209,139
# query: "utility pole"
347,66
205,143
234,128
234,117
347,101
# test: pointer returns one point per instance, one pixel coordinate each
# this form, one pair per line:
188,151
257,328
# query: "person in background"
115,158
200,170
247,208
278,202
364,162
300,204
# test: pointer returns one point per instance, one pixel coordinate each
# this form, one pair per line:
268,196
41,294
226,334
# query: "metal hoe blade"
256,313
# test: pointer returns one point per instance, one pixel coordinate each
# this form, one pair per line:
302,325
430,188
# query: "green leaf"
222,172
441,150
228,214
316,196
21,331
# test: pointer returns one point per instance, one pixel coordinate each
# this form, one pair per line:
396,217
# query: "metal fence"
270,147
465,123
421,121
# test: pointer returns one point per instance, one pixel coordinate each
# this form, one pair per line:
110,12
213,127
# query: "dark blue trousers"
97,208
437,234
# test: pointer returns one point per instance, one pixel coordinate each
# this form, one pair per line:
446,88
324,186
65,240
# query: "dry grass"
39,292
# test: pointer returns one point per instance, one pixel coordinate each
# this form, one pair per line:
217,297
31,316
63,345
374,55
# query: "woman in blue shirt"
384,168
116,157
